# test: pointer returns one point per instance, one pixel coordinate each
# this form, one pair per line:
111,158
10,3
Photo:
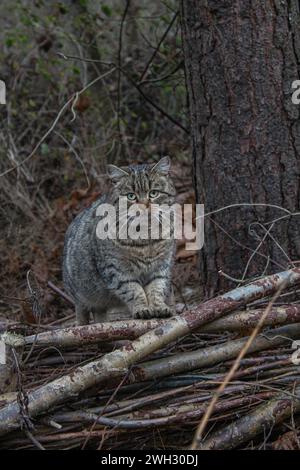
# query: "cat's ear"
115,173
163,166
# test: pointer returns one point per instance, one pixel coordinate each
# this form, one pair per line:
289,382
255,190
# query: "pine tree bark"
241,58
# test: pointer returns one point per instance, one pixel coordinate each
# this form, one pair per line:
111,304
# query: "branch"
8,372
70,101
261,419
132,329
206,357
117,363
136,86
173,415
233,369
158,47
120,67
164,77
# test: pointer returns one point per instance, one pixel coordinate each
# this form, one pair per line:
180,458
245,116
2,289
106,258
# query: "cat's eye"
131,196
153,194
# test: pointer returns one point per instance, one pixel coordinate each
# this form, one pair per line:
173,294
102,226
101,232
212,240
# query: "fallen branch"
178,415
8,397
132,329
206,357
260,420
248,319
9,344
94,333
119,361
232,371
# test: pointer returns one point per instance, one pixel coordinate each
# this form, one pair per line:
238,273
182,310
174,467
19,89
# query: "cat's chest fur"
139,263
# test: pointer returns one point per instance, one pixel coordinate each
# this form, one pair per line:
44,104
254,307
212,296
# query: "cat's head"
144,184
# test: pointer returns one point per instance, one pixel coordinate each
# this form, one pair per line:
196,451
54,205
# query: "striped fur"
131,275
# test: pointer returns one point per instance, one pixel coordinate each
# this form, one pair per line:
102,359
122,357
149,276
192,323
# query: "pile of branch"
102,385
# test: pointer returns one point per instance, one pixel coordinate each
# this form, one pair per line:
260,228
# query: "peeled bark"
240,61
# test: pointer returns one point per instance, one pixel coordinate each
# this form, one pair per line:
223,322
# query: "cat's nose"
144,202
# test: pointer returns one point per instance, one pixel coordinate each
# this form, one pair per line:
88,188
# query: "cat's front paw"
161,311
142,313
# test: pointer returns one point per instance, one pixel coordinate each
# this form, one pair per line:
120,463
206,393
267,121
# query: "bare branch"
116,363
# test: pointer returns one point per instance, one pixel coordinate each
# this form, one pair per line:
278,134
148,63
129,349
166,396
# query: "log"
94,333
249,319
7,397
132,329
10,345
260,420
119,361
207,357
165,416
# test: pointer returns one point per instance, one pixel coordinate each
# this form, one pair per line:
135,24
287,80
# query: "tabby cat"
102,275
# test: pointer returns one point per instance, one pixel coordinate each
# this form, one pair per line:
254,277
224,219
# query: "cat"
102,275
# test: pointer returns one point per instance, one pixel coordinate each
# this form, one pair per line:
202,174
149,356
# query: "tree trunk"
241,58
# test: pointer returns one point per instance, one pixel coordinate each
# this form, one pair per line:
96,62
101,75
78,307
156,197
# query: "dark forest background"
135,112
